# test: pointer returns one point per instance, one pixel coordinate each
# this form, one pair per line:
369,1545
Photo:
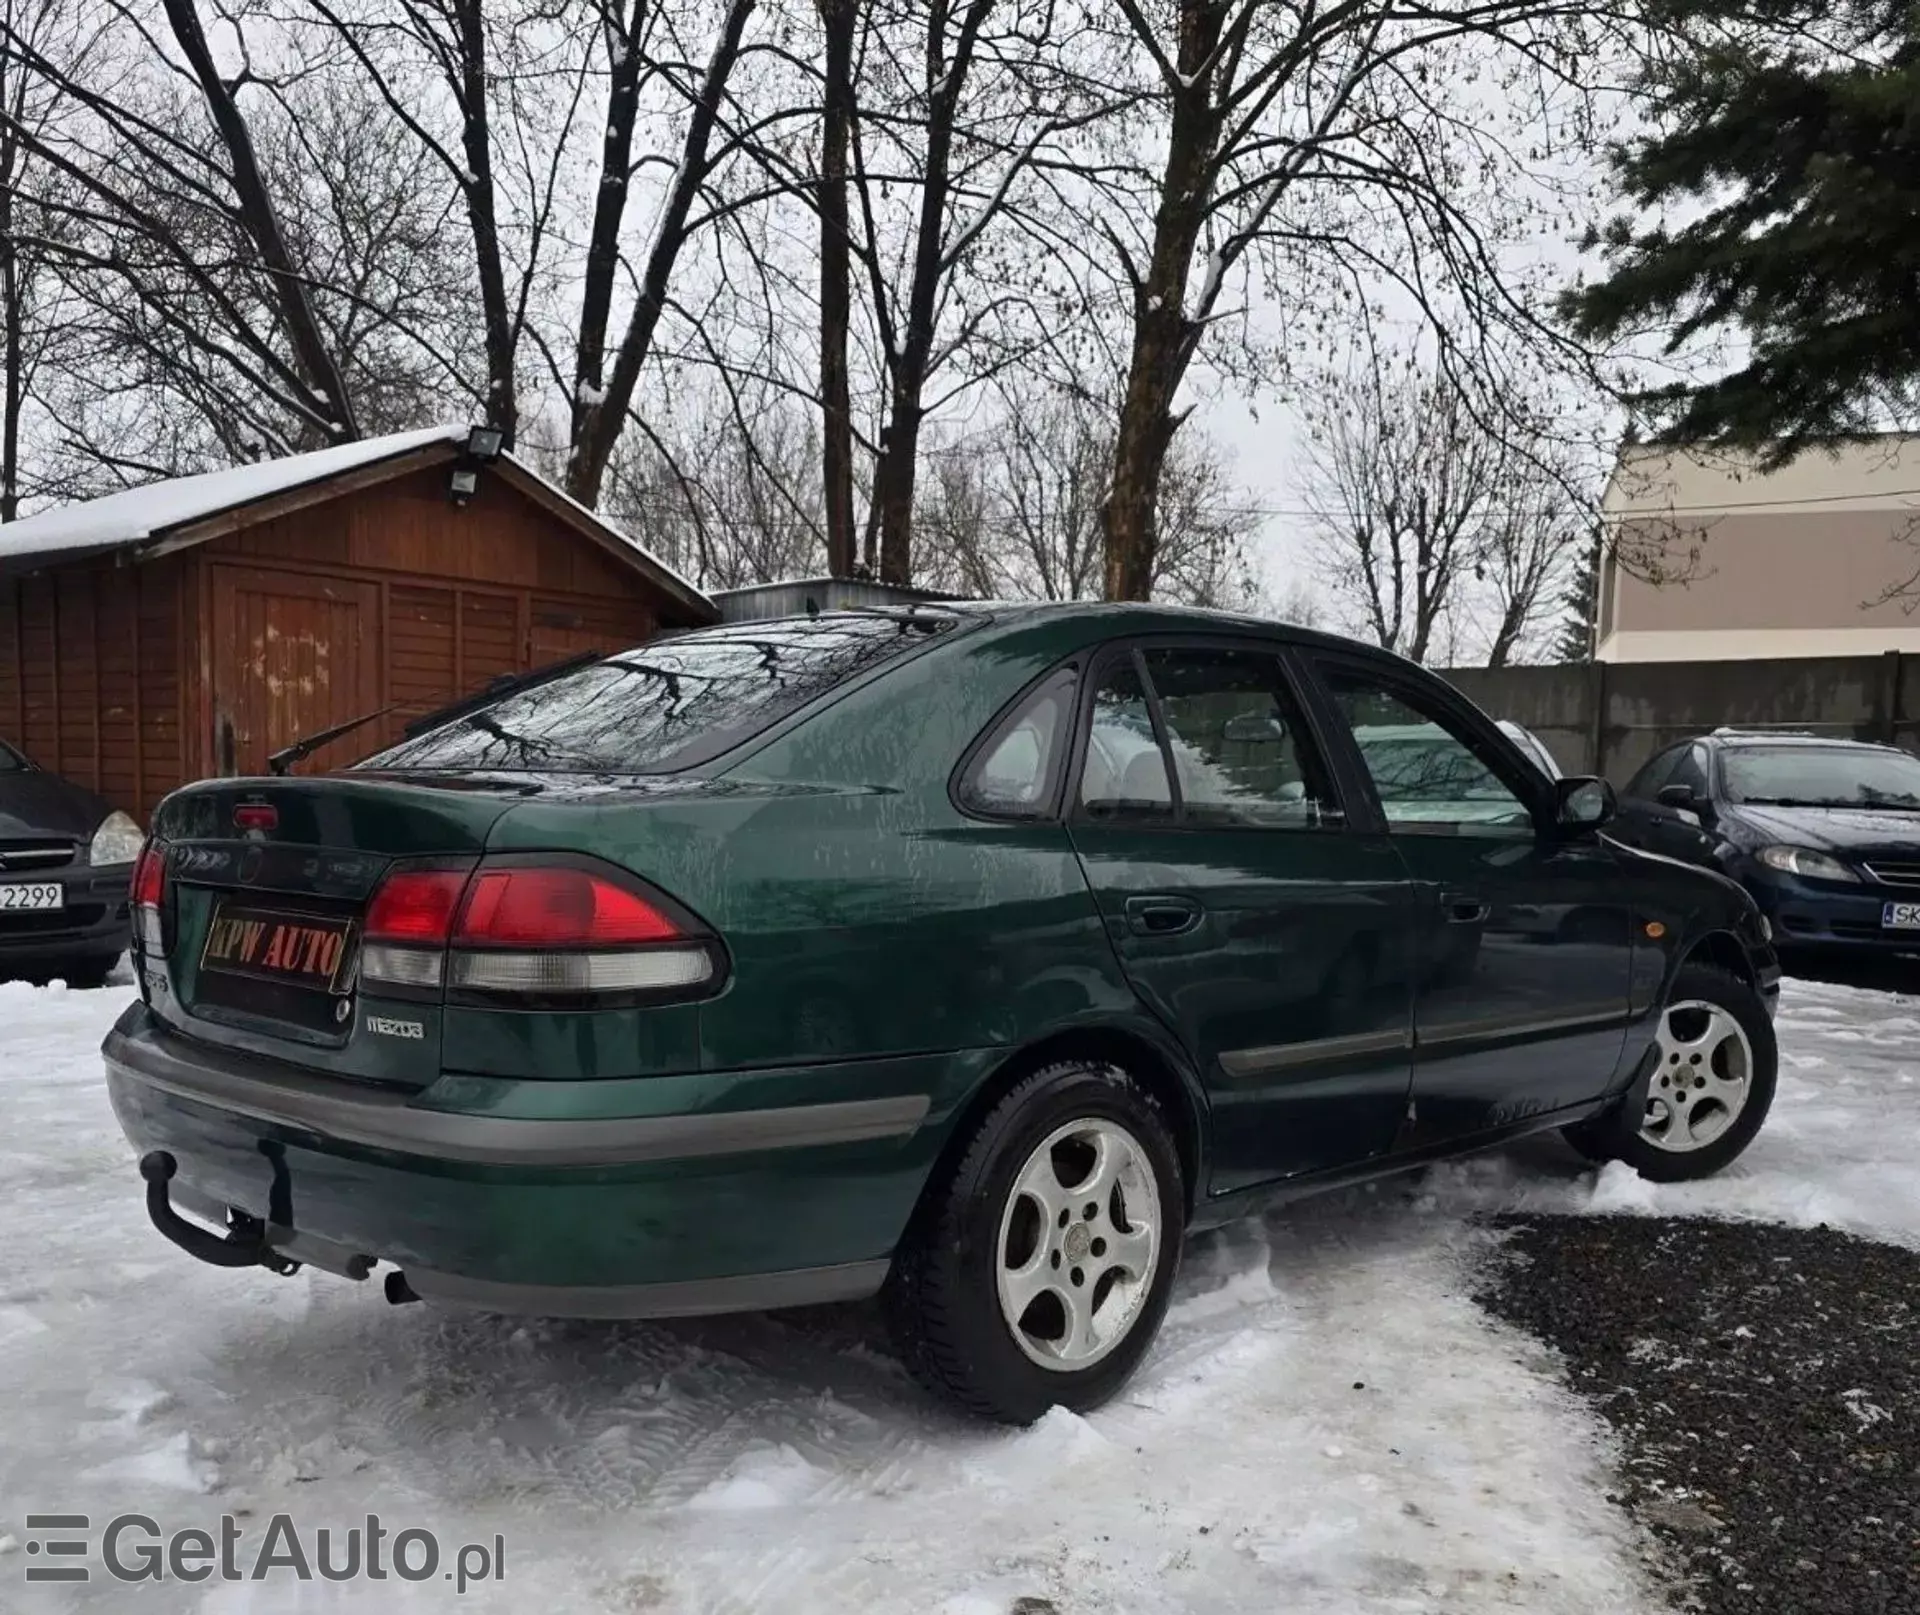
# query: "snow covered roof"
171,509
138,514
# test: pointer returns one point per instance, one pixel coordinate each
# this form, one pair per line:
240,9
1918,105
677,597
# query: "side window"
1012,776
1241,751
1692,771
1429,780
1125,776
1654,773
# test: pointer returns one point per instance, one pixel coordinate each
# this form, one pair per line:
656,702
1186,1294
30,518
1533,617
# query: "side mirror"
1583,803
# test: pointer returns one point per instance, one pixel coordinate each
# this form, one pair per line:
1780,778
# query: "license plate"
39,897
298,950
1900,917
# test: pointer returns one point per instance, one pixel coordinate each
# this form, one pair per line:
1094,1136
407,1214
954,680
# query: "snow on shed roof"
139,515
136,514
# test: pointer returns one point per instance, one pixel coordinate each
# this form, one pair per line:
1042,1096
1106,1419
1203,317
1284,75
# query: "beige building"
1795,562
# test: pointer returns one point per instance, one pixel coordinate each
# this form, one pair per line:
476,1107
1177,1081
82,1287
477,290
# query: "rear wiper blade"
497,689
307,745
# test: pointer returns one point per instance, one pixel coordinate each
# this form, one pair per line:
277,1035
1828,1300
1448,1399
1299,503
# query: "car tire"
86,974
988,1236
1707,1097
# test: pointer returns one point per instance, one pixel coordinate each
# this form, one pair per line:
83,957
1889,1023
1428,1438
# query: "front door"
293,654
1270,936
1524,944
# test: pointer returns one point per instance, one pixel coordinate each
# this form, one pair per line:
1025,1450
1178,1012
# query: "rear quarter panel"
864,915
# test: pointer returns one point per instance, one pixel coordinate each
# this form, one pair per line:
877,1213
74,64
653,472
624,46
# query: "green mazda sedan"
972,956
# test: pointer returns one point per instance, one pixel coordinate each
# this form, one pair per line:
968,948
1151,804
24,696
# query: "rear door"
1524,945
1264,930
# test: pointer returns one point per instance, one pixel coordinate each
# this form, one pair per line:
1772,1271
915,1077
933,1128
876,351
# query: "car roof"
1142,616
1736,738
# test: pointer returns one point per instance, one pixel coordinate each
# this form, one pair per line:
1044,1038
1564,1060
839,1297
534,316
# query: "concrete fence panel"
1609,718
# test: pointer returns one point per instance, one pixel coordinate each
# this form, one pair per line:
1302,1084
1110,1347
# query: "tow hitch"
245,1244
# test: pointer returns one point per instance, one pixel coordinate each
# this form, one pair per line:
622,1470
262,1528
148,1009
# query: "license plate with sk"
32,897
297,950
1900,917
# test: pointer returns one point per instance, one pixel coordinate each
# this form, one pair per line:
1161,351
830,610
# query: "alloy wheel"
1079,1244
1703,1079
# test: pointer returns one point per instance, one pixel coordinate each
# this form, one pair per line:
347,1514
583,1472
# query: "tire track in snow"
741,1464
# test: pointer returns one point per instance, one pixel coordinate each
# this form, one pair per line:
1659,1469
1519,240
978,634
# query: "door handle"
1162,916
1463,909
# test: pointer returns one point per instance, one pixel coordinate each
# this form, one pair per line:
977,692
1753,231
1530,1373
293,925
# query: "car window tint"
1655,773
1691,770
11,762
1428,779
1012,776
1125,774
1240,747
664,706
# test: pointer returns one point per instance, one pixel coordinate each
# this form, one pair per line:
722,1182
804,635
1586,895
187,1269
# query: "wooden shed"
191,627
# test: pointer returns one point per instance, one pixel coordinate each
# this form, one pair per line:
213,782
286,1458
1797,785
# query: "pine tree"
1800,124
1580,631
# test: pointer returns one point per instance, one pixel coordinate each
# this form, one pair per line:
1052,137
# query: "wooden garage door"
292,654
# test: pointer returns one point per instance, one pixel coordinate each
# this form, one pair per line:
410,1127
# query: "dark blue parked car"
1825,833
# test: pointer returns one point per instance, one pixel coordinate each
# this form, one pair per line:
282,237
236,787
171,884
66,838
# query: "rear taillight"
408,924
148,896
557,908
525,927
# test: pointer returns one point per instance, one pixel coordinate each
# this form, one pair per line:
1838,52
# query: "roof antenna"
813,606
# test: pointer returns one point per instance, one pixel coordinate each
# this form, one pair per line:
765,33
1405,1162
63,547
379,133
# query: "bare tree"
1428,515
966,109
427,55
173,206
1013,509
1339,148
256,264
839,21
1540,528
33,307
601,412
727,495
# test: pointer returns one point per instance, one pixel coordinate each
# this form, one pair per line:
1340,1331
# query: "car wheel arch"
1720,948
1142,1056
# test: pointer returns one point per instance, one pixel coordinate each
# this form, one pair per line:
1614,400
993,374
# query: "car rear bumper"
723,1202
93,925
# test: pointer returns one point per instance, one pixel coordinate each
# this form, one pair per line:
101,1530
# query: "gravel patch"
1764,1385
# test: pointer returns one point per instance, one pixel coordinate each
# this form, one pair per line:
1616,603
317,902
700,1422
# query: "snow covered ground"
1327,1424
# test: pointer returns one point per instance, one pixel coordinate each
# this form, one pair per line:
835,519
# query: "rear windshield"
665,706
